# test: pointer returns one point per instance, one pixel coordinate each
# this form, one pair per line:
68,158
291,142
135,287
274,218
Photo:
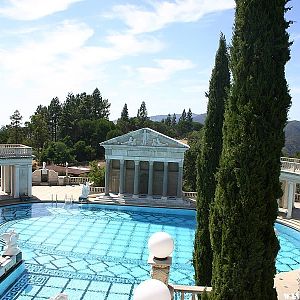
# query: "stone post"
150,179
136,179
121,179
291,198
107,176
165,182
160,268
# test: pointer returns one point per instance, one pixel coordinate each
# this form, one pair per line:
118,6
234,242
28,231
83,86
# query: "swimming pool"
100,252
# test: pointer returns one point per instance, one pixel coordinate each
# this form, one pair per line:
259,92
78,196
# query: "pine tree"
142,115
124,113
189,120
208,162
168,120
245,208
16,122
100,106
173,121
54,112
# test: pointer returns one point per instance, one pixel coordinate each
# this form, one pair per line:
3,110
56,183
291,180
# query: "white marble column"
7,179
2,178
291,198
29,181
122,177
16,185
136,179
179,180
107,176
150,179
165,182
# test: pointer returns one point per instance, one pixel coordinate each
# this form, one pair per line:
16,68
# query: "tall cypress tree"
245,209
208,162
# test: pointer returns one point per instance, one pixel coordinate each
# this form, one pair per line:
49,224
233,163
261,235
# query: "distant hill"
197,118
292,131
292,137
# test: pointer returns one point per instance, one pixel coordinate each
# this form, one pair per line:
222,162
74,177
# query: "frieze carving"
145,137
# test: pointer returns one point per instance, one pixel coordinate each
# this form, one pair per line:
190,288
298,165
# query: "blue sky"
160,52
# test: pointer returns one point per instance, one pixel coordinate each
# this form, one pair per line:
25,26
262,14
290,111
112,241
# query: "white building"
16,170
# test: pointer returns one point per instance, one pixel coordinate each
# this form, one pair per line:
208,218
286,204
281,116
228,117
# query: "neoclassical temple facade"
144,163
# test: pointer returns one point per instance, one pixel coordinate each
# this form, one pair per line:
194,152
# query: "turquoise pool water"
100,252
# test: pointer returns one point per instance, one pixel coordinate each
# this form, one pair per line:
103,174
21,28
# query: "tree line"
70,131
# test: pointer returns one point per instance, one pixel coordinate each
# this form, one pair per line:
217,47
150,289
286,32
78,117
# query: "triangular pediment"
145,137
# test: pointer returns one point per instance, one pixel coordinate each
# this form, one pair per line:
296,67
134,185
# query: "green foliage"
15,132
4,134
208,163
54,113
113,133
190,157
124,113
245,208
83,152
57,153
142,115
97,174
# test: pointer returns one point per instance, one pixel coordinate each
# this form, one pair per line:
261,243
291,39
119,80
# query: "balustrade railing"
192,195
182,292
290,164
15,151
97,189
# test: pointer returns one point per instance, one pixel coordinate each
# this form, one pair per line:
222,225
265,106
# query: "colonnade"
16,180
136,187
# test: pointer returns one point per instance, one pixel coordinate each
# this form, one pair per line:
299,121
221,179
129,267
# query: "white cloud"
166,68
34,9
56,61
140,20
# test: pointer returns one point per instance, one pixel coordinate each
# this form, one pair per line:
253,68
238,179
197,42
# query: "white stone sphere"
152,289
161,244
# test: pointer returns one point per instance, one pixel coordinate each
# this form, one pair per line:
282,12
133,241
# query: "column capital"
136,162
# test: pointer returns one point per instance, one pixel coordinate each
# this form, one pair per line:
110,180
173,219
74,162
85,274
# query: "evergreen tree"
245,208
142,115
208,162
173,121
39,128
54,112
16,122
189,120
181,125
124,113
168,120
100,106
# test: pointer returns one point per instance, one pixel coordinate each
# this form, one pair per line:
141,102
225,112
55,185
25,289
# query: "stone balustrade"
15,151
290,164
185,290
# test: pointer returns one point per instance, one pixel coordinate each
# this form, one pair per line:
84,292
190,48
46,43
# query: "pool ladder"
52,199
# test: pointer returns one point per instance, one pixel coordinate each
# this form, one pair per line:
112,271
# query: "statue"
85,191
11,238
131,142
44,165
60,296
145,137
